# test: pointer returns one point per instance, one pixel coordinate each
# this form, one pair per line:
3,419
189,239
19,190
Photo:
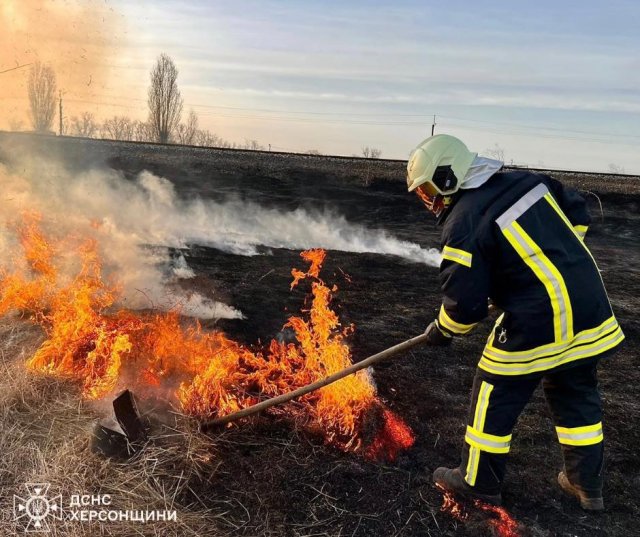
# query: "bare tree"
16,124
205,138
496,152
614,168
164,100
371,152
118,128
42,96
85,125
186,132
141,131
313,152
252,145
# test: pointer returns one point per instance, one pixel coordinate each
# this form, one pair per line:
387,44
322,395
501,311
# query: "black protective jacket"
519,241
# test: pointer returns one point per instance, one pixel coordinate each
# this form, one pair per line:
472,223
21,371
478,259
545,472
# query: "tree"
16,124
42,96
314,152
206,138
186,132
118,128
614,168
164,100
253,145
496,152
371,152
84,126
141,131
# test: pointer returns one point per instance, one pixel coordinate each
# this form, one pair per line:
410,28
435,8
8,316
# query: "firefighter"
516,239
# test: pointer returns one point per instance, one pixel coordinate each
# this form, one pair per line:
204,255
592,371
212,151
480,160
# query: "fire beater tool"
285,397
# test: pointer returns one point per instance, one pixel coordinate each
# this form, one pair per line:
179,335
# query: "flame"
206,373
316,258
394,435
503,524
451,505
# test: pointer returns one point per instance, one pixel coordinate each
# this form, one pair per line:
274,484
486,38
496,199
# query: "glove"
436,336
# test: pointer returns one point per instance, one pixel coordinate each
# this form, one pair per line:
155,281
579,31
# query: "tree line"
164,122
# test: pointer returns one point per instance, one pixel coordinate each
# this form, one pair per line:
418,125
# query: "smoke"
124,218
77,38
241,227
139,223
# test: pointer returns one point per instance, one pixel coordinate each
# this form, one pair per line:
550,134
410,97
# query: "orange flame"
501,521
504,524
90,342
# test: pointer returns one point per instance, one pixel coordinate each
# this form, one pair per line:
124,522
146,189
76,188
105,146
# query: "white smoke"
136,221
122,216
240,227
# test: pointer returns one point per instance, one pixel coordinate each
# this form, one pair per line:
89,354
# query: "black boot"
451,480
589,500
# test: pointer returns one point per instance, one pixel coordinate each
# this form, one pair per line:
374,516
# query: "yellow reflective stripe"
581,231
570,355
451,325
586,336
585,442
557,208
482,405
554,204
457,255
580,436
487,442
472,466
583,429
480,414
550,277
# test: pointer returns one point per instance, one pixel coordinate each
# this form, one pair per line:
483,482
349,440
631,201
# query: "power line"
15,68
536,127
519,128
353,114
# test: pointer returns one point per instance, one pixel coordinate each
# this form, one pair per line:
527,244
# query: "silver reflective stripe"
555,282
484,405
587,336
564,357
485,442
472,466
466,259
521,206
581,436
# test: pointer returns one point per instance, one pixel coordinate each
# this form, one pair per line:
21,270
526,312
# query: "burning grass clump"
59,283
45,432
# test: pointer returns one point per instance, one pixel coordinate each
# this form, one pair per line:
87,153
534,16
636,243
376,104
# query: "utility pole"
60,94
433,125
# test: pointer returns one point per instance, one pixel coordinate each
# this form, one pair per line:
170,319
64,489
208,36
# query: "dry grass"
45,433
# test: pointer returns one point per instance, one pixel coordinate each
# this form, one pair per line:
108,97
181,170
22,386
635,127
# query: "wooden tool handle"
268,403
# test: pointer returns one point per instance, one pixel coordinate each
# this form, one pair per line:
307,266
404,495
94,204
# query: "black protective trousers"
497,401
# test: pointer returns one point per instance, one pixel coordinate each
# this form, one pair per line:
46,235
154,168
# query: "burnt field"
266,477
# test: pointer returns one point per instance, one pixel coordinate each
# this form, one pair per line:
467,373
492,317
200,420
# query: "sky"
551,84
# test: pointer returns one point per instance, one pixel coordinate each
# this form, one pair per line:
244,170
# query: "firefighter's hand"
436,336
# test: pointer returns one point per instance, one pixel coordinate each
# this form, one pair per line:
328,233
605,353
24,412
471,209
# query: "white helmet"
437,168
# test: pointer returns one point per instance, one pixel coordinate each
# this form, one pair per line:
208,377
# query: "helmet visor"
433,200
427,189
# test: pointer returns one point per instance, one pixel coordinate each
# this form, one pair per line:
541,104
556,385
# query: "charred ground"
267,479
